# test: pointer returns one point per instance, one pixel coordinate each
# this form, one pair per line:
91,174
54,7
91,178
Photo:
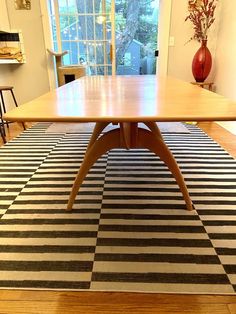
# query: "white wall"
225,78
4,20
30,80
181,54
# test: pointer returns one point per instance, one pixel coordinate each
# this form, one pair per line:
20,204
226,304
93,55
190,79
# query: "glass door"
136,36
106,36
83,27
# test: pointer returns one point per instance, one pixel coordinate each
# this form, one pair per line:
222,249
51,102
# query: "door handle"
111,53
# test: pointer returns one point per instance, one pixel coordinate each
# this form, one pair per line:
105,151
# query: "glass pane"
74,53
136,37
62,5
90,27
100,70
54,28
99,30
65,45
82,48
71,6
55,45
109,70
81,7
92,70
81,28
108,48
89,6
100,53
64,25
66,58
91,54
108,30
73,28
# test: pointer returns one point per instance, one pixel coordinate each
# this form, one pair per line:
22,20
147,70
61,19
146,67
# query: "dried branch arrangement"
201,14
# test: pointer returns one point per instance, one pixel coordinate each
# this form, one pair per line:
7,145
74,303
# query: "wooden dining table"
126,101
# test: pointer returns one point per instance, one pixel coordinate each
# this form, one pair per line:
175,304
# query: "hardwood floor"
31,302
14,130
107,303
221,136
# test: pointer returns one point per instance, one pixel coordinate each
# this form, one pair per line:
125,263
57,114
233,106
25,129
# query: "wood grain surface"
126,99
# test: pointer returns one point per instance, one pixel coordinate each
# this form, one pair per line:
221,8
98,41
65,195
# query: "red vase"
202,62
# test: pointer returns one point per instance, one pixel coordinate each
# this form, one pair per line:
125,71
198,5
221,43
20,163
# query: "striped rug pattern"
129,230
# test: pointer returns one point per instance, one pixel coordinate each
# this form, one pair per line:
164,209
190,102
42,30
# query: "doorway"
110,36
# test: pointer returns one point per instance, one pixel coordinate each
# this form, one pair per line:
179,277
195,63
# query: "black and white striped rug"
129,230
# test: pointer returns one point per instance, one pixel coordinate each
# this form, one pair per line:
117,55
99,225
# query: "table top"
126,98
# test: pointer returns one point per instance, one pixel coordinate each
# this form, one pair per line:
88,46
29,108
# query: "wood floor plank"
220,135
114,297
66,307
232,308
14,130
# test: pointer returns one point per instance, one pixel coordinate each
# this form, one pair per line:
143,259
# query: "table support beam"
129,135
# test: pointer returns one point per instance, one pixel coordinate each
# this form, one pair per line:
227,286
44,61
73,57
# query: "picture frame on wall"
22,4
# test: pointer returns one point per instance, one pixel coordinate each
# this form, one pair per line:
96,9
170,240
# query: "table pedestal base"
128,136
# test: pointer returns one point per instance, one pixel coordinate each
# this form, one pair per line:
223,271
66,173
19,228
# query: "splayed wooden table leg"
128,136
